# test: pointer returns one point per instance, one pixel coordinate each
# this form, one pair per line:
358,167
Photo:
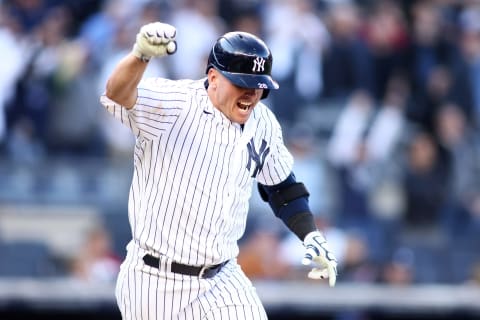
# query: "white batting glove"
317,250
155,39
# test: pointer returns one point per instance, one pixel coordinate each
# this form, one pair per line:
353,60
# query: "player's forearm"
122,85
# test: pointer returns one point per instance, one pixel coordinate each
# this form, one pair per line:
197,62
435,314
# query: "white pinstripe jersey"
194,170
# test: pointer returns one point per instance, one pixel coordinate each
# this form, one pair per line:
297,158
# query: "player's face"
234,102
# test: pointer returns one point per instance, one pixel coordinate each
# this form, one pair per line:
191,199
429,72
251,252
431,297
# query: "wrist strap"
144,59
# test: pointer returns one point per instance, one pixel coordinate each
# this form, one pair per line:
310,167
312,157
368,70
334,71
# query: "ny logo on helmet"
258,64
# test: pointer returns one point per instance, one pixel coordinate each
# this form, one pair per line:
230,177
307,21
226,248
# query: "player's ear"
212,77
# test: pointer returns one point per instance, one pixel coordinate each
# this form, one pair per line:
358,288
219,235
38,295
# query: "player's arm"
289,202
153,40
122,83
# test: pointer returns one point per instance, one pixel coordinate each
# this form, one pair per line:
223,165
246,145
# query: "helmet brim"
251,81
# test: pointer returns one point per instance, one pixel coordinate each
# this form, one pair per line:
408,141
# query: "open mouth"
244,105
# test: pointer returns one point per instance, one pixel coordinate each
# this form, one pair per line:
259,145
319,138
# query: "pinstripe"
229,293
146,296
188,173
149,181
210,302
132,294
141,296
134,190
119,288
128,294
188,200
191,210
212,183
130,304
157,309
163,204
252,298
174,199
235,299
164,314
219,223
241,294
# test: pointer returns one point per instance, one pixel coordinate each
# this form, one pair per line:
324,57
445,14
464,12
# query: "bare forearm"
122,84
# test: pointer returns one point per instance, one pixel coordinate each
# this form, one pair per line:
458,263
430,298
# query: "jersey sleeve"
159,104
279,163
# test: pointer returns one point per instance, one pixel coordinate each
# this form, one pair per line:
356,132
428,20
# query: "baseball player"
201,146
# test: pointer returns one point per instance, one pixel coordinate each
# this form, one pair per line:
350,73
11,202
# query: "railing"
288,298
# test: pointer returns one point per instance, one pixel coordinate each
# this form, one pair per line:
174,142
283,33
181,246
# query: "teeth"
244,105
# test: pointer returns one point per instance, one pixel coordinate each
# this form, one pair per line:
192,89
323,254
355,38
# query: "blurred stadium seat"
26,259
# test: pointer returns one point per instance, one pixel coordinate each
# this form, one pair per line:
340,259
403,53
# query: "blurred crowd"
379,101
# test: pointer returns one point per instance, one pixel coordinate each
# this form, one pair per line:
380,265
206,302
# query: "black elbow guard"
282,196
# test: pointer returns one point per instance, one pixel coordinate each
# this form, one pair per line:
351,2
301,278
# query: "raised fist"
155,39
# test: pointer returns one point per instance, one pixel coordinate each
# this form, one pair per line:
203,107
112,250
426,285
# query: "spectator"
29,13
386,36
96,262
437,90
347,63
466,85
260,258
426,180
430,47
347,154
29,110
310,167
298,65
400,269
462,145
361,150
11,67
98,30
189,17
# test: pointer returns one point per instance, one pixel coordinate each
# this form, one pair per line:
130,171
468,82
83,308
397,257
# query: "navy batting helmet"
245,60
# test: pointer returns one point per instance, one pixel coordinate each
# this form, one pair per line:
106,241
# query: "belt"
199,271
